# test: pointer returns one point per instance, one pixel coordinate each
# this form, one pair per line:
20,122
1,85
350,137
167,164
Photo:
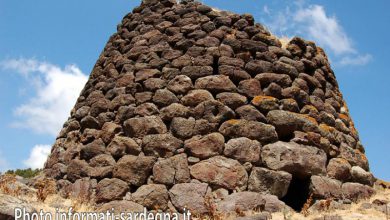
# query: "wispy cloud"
314,23
359,60
56,90
324,29
38,156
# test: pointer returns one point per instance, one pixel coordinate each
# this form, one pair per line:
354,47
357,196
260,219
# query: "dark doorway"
298,193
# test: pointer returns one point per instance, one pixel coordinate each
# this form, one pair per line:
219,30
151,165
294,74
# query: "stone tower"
188,106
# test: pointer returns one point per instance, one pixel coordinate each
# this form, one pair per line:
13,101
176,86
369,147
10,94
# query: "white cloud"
38,156
359,60
312,22
266,10
324,29
56,91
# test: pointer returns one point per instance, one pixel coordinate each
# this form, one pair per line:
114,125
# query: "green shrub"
25,173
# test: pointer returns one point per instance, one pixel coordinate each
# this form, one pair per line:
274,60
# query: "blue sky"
48,48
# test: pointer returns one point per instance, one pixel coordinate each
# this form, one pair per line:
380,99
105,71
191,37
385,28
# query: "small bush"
25,173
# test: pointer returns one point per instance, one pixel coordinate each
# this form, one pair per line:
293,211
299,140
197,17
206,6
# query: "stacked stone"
187,104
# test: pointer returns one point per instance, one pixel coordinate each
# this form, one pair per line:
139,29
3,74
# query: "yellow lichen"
233,121
326,128
344,117
308,118
258,99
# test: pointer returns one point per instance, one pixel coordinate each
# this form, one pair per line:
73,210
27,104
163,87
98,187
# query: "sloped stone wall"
187,104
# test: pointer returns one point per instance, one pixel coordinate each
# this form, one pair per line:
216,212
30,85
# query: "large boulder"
139,127
153,196
243,149
195,97
325,188
205,146
249,201
356,191
191,196
221,172
92,149
172,170
300,160
359,175
251,129
267,181
161,145
111,189
354,156
215,84
121,146
134,169
186,128
287,122
213,111
339,169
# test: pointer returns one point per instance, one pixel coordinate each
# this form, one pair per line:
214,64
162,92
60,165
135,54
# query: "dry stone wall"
188,105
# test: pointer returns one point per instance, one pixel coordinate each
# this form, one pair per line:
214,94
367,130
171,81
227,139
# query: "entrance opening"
298,193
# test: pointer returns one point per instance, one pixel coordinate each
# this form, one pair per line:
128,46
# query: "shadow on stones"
298,193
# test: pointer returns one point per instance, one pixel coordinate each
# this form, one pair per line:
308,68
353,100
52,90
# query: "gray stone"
325,188
339,169
287,122
221,172
153,196
267,181
243,149
251,129
121,146
111,189
197,96
190,196
134,169
205,146
359,175
139,127
356,191
215,84
249,201
161,145
300,160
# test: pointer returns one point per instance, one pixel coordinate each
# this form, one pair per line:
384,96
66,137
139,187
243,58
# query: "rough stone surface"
296,159
161,145
356,191
339,168
245,201
190,196
250,129
184,94
267,181
111,189
134,169
205,146
152,196
325,188
243,150
361,176
172,170
139,127
222,172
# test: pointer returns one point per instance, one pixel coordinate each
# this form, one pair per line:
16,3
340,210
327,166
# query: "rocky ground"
40,194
